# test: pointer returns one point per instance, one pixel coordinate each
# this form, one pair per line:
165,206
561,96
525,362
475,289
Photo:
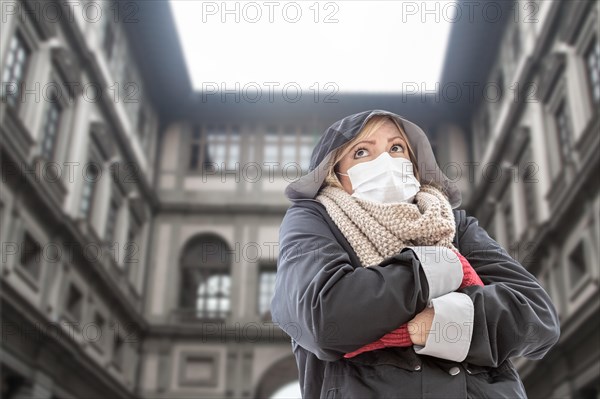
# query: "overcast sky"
354,46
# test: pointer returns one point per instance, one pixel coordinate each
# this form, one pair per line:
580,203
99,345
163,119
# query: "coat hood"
343,131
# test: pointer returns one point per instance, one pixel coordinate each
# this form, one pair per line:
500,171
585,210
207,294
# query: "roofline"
157,46
472,51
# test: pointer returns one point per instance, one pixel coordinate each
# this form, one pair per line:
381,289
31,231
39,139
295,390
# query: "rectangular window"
17,60
131,89
215,147
199,370
289,148
577,268
74,303
592,63
251,148
194,156
132,247
307,143
529,185
31,256
213,295
289,144
195,148
563,129
118,351
100,324
233,147
508,221
266,288
91,174
216,141
111,221
271,145
51,127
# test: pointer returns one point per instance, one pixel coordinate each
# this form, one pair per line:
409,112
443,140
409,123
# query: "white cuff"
442,268
451,329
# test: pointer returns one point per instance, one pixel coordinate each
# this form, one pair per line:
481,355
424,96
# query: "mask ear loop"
340,173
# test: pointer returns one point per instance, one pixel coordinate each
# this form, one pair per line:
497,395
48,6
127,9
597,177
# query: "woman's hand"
419,326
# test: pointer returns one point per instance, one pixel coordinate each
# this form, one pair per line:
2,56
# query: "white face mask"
385,179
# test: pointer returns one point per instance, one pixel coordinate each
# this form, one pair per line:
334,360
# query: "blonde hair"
370,127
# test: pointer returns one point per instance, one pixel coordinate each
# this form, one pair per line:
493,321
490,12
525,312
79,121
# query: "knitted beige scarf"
377,231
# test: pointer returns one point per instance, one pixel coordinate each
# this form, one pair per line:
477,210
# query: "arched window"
280,380
205,277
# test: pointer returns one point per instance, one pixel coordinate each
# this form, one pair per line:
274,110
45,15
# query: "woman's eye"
397,146
360,151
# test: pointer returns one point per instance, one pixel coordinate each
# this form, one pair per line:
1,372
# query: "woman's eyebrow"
373,141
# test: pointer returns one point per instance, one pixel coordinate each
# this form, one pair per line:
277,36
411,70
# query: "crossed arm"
331,308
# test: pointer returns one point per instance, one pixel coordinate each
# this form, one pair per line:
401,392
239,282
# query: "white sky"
407,42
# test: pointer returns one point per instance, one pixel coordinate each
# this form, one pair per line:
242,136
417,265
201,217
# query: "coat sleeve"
328,306
514,316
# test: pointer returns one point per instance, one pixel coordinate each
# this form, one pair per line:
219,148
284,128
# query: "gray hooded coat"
329,305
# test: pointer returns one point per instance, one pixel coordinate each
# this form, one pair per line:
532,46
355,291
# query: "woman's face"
386,138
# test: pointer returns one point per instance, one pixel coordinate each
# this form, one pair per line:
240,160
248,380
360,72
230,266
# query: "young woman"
386,289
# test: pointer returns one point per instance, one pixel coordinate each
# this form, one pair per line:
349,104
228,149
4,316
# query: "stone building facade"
139,219
535,145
